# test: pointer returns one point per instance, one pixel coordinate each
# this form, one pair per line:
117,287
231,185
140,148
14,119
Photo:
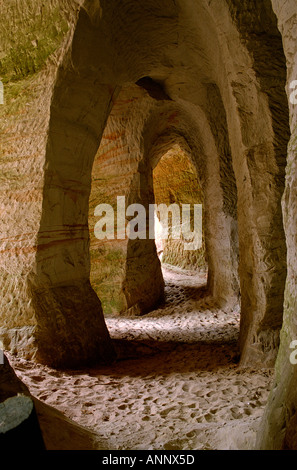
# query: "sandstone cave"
139,344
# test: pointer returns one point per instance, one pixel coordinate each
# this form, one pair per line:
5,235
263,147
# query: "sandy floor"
177,386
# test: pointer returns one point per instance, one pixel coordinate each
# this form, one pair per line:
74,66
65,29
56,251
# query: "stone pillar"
125,273
278,427
257,115
71,329
68,327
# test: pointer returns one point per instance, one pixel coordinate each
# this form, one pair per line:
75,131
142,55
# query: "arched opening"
175,182
125,273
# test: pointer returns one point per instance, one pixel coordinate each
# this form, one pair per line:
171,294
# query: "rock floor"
177,383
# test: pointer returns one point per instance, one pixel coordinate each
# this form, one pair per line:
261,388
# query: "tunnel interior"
169,103
111,118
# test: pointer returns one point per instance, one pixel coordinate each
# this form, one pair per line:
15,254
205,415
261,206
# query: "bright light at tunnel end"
152,224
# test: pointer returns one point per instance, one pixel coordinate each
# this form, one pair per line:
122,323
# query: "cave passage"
175,182
107,99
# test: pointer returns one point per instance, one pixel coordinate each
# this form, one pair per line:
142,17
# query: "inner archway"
175,182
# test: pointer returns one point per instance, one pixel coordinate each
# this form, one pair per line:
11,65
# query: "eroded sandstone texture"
96,93
278,429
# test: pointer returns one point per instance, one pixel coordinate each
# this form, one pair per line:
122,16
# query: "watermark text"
180,222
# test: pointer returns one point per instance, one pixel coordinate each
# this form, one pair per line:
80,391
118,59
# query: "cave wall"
255,101
278,428
28,71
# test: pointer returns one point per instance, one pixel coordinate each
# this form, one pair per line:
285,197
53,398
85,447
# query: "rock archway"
130,149
176,182
211,73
